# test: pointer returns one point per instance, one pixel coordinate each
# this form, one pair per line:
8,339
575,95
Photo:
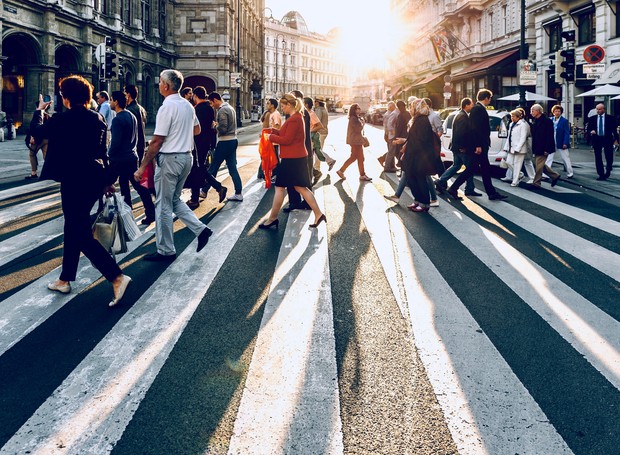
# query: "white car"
499,122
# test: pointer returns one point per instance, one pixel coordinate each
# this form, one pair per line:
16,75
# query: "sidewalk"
15,165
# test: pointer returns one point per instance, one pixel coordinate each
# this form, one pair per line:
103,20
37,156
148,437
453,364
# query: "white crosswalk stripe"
291,396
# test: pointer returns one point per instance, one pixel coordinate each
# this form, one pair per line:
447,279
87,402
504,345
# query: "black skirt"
293,172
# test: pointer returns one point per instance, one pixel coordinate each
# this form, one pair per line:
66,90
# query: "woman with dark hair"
293,167
355,138
419,158
76,156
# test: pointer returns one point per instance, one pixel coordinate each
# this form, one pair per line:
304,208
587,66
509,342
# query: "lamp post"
238,106
522,55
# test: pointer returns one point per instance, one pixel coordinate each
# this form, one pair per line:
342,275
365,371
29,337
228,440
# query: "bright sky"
363,27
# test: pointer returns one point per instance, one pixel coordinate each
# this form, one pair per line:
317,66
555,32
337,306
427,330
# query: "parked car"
375,114
499,122
444,112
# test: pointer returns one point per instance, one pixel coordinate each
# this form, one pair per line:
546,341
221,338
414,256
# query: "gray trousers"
170,174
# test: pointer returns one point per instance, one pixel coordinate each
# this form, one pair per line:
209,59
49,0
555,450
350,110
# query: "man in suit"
543,144
603,131
481,141
461,149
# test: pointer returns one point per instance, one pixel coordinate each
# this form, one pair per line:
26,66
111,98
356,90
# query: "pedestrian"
271,119
323,115
172,143
389,120
419,158
226,148
462,150
76,151
401,125
543,143
295,201
481,141
103,99
131,96
355,138
315,127
562,139
205,143
516,145
603,131
188,94
123,154
34,147
437,126
294,162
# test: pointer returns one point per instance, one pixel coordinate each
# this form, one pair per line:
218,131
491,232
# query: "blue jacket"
562,134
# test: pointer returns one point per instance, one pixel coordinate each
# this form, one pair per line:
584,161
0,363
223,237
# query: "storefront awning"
486,63
610,76
428,79
395,93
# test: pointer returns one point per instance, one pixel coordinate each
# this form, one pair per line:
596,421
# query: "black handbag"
198,175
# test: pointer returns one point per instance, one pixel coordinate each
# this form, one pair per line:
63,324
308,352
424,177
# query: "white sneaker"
434,204
235,197
514,184
506,179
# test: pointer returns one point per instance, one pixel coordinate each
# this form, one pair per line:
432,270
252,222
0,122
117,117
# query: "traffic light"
559,61
568,35
568,64
110,57
109,41
121,73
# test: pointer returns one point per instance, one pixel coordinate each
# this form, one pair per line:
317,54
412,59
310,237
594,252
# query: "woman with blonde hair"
293,167
355,138
516,144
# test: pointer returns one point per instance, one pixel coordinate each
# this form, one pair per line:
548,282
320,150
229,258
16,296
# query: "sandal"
365,178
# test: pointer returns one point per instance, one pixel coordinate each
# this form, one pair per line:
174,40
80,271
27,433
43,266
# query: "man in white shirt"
172,143
106,111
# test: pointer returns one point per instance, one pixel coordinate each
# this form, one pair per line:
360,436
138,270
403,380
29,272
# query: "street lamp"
238,106
522,55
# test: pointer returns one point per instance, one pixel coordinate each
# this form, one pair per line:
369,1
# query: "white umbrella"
603,90
616,97
529,96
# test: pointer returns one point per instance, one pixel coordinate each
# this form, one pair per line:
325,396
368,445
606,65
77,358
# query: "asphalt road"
480,327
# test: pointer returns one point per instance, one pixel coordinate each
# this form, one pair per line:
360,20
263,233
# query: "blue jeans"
460,159
225,151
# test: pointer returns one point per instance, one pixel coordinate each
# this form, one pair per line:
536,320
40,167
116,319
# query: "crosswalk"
481,327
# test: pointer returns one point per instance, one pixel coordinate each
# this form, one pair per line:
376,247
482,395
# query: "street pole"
239,124
522,55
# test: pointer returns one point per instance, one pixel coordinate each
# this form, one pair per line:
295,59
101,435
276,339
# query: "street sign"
447,95
595,68
527,72
593,76
594,54
235,80
226,95
100,52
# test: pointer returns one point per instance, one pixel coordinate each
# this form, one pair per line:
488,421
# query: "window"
491,34
126,11
478,30
146,16
554,31
587,27
504,20
162,19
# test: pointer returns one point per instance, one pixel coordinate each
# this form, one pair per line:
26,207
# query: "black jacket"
461,134
542,136
140,115
481,130
76,150
419,158
402,120
610,126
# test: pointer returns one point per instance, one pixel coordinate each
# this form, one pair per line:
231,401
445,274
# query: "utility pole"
239,124
522,54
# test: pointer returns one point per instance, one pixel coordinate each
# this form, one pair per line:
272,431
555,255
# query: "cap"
319,98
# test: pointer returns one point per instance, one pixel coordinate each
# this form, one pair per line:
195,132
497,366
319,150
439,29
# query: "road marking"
27,189
291,397
22,210
89,411
487,410
27,241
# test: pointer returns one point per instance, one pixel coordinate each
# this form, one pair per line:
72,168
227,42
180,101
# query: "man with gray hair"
603,132
173,140
543,143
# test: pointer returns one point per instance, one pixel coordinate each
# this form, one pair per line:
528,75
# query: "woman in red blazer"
293,168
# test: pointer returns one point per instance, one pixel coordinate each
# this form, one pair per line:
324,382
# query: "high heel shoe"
275,223
319,221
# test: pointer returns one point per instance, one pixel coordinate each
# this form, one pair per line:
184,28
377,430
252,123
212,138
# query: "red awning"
486,63
428,79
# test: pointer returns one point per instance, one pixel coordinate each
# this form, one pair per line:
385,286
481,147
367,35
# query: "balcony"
458,7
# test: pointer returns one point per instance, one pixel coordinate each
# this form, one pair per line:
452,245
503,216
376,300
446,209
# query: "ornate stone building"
296,58
44,40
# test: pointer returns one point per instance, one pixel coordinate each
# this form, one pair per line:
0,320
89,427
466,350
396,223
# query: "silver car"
499,121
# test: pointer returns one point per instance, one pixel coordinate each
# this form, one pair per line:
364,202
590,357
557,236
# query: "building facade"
45,40
296,58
